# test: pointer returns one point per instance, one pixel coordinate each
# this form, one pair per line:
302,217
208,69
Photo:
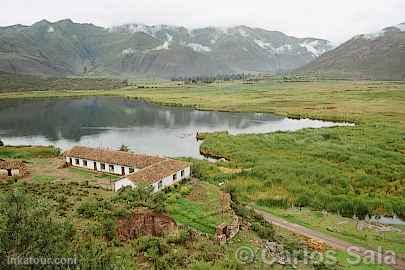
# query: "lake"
144,127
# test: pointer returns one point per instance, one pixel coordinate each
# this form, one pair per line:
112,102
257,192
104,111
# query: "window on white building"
85,163
111,168
160,184
77,161
182,173
174,177
102,166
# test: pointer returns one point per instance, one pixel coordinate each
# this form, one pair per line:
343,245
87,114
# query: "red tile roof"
158,171
14,165
112,157
11,164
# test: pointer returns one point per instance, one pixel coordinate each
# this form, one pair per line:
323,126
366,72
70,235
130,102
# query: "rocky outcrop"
226,232
144,223
277,252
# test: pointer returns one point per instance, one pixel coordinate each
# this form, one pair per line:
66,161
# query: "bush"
142,196
91,209
108,226
263,229
180,236
185,190
172,197
149,245
94,254
34,231
259,225
303,200
120,212
274,202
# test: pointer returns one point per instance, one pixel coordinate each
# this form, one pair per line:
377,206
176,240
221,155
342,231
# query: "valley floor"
346,170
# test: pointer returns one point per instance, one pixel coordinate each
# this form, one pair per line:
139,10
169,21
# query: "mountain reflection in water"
144,127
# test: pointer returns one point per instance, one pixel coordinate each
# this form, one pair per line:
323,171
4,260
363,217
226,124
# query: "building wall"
167,181
123,183
90,166
14,172
3,173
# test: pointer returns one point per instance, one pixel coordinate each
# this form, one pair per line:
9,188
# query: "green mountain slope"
378,56
68,48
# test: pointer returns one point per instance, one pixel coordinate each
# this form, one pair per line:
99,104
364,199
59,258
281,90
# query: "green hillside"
65,48
376,56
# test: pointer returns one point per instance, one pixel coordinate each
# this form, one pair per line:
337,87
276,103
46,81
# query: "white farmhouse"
160,175
109,161
157,171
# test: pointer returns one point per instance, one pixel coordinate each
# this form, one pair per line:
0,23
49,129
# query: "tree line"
213,78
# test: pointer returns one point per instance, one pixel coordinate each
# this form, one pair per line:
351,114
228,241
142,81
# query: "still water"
112,121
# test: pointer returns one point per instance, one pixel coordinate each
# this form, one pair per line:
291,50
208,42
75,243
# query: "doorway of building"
9,172
122,171
95,166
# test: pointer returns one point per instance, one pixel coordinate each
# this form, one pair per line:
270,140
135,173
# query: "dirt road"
328,240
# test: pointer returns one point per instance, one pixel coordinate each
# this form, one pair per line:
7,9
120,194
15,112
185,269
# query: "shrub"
35,232
91,209
93,253
360,208
259,225
120,212
277,201
263,229
185,190
108,227
180,236
142,196
303,200
149,245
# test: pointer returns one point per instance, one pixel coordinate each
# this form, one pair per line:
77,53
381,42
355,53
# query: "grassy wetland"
344,171
348,170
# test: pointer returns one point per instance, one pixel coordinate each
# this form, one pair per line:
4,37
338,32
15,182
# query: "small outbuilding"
12,168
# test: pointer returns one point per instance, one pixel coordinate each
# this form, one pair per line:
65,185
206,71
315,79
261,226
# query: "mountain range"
377,56
65,48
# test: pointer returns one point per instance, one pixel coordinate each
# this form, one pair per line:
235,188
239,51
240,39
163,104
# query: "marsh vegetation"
343,170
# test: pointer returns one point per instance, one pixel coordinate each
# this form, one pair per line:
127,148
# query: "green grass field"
358,101
28,152
201,208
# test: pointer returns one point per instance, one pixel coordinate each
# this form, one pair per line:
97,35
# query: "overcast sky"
336,20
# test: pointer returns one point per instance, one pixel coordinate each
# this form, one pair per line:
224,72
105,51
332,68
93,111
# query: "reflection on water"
112,121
